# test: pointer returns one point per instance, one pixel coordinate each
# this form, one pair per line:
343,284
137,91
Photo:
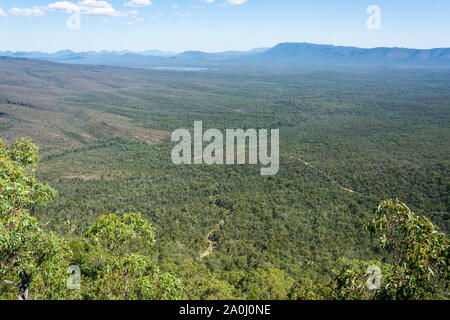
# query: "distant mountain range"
287,55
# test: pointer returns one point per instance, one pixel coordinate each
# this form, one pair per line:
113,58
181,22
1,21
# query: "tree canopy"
34,261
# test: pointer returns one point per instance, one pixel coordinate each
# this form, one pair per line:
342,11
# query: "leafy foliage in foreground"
29,256
33,261
117,270
416,265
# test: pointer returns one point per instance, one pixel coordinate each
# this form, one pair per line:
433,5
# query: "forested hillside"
347,141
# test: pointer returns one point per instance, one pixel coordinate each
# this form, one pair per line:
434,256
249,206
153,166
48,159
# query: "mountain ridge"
283,54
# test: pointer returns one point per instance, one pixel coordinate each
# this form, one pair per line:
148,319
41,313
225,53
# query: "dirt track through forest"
325,175
210,243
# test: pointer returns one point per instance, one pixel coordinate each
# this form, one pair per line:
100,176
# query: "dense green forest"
348,140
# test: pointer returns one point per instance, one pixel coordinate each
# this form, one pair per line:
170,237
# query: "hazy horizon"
218,25
196,50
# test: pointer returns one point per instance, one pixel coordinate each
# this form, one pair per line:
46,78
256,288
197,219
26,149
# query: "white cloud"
236,2
89,8
138,3
207,1
63,6
187,14
95,4
2,13
86,7
98,8
27,12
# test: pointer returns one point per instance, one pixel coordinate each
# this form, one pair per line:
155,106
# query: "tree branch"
12,283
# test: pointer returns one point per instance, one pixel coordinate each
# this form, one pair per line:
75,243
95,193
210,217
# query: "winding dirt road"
210,243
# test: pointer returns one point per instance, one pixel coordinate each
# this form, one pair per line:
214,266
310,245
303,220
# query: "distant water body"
183,68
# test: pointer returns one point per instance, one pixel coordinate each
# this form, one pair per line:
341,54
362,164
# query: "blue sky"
217,25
